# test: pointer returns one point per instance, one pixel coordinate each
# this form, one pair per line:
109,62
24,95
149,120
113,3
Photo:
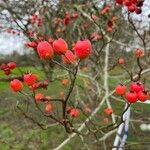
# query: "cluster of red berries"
73,112
8,67
39,97
36,19
136,92
46,49
31,80
132,5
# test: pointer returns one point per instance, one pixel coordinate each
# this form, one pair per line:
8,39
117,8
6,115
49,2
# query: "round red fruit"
68,57
39,96
143,96
119,1
83,49
120,89
30,79
121,61
16,85
74,112
136,87
131,97
11,65
48,107
108,111
60,46
45,50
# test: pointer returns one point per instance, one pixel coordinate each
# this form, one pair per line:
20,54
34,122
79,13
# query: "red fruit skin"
131,8
60,46
119,1
121,61
48,107
39,96
106,120
83,49
139,52
138,11
127,3
30,79
45,50
3,66
120,89
74,112
143,96
11,65
68,58
108,111
67,19
136,87
131,97
16,85
7,71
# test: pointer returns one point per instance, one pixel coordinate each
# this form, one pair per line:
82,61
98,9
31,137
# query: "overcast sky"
9,43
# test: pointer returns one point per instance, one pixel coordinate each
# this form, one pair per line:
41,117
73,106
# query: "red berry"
131,8
16,85
7,71
68,57
45,50
94,17
108,111
120,89
138,10
11,65
119,1
48,107
136,87
131,97
60,46
74,112
121,61
139,52
30,79
83,49
39,96
106,120
143,96
127,3
3,66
